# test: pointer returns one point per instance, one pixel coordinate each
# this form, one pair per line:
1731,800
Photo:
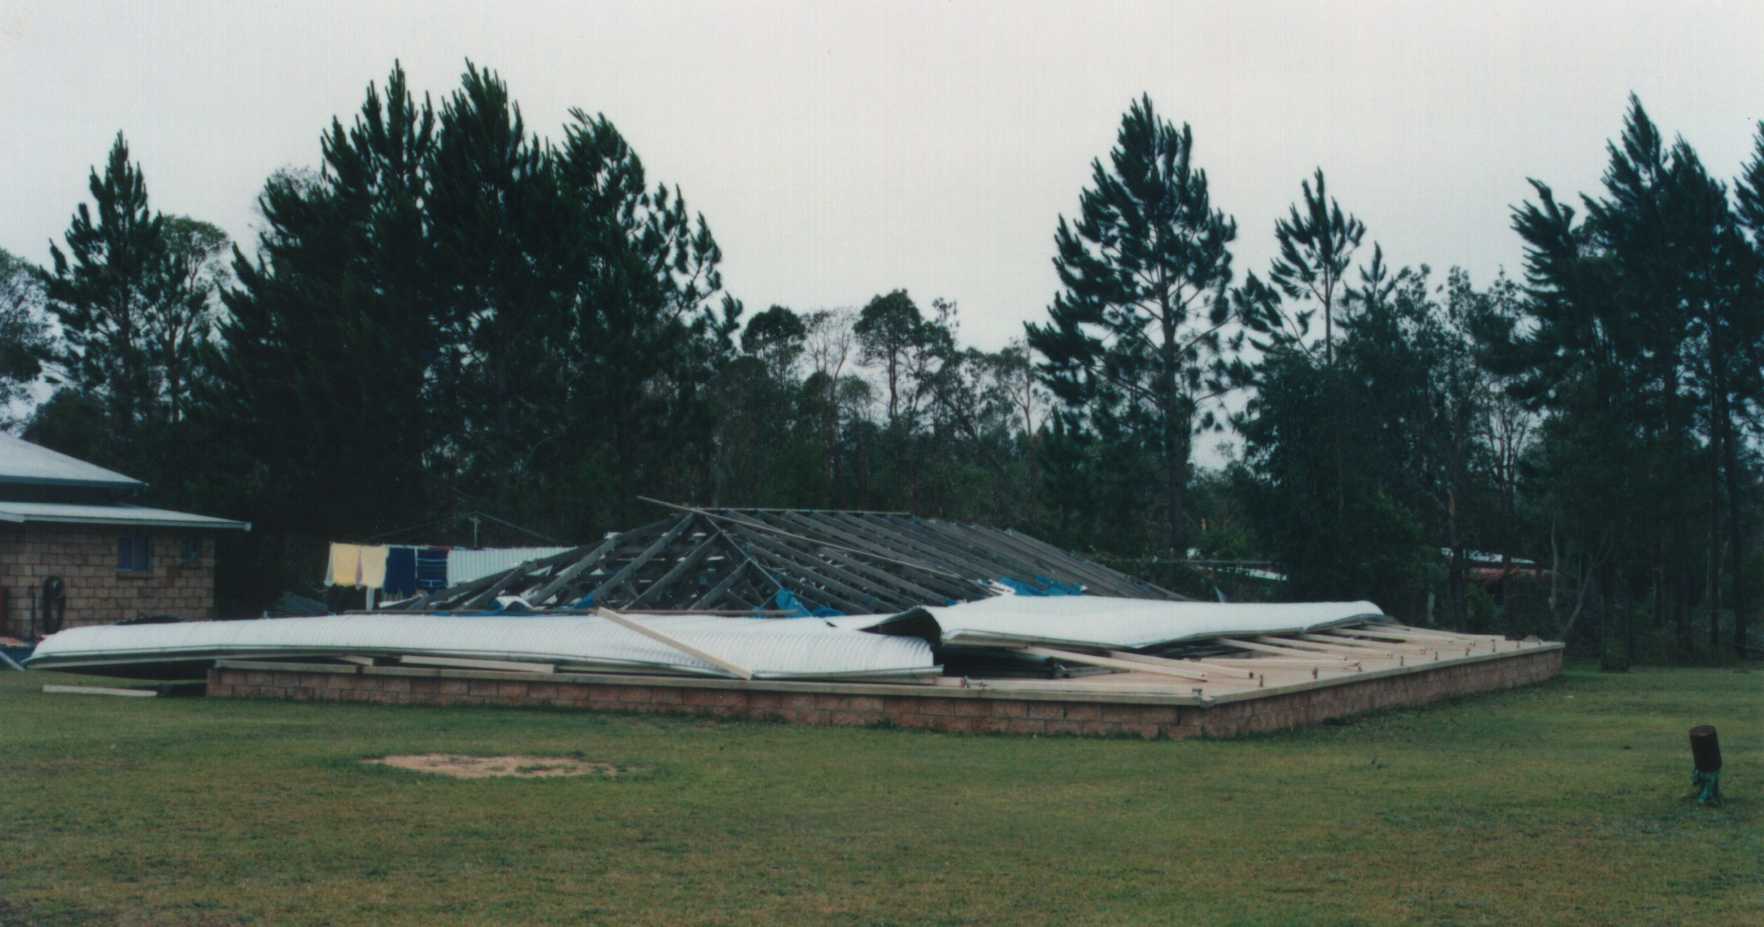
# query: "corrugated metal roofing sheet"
772,649
465,564
1100,621
22,462
64,513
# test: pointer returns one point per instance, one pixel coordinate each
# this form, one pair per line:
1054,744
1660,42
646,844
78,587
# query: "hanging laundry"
344,567
373,567
431,568
401,571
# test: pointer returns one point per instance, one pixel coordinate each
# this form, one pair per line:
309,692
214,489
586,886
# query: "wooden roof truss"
745,560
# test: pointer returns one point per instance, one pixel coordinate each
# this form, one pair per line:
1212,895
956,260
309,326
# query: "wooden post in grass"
1706,764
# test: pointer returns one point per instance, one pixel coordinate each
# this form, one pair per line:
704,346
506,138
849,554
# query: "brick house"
65,518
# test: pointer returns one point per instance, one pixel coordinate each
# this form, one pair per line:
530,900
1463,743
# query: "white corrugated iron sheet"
770,648
465,564
27,463
1100,621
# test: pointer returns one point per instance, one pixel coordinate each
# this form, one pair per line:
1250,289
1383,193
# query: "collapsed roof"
1126,624
670,644
904,648
897,601
793,560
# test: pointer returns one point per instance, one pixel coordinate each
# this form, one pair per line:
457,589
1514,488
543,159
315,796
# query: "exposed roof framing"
744,559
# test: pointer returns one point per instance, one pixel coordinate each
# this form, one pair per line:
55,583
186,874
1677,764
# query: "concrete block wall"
955,710
84,556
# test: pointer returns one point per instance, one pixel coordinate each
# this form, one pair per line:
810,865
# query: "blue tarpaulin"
786,601
1039,586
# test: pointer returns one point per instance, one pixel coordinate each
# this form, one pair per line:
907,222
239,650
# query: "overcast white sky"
842,149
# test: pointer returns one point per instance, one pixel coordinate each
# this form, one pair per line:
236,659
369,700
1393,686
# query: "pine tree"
24,336
107,288
650,322
1630,338
1141,322
1744,347
327,347
1316,249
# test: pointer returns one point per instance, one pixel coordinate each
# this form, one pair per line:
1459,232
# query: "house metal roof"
24,463
66,513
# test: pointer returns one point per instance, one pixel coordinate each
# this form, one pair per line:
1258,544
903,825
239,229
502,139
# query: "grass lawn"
1564,803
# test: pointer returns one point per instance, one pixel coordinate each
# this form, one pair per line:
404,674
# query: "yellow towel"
373,567
345,566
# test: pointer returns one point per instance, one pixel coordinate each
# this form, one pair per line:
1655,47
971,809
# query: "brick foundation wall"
85,557
940,709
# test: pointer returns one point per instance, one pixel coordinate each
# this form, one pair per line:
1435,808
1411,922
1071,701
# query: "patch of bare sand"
511,767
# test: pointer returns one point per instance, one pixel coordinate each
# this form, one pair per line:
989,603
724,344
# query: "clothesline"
399,570
472,515
405,569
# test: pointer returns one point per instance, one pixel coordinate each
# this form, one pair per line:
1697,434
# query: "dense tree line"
453,313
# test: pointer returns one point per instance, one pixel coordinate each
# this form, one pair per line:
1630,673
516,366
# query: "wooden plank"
1060,569
1401,653
1006,560
1001,561
1350,643
850,599
1360,640
500,666
99,690
1365,632
892,535
431,600
598,595
907,592
1285,663
686,563
1211,666
1111,663
1332,649
733,669
942,585
717,612
1177,663
1423,645
1140,587
716,592
1444,635
588,562
1277,651
784,575
811,558
488,596
1396,647
1444,643
1316,670
729,517
738,577
914,594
